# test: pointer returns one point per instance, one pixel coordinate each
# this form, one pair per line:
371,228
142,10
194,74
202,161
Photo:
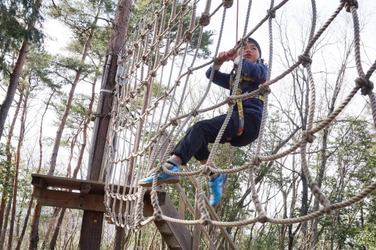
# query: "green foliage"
17,20
6,172
144,11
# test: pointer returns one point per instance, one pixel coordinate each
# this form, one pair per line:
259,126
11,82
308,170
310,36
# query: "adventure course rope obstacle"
148,117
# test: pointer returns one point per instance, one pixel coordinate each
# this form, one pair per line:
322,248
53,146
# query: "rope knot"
349,4
263,218
271,13
130,52
187,35
308,136
189,71
227,3
153,73
174,122
265,89
194,113
230,101
305,59
364,84
204,19
163,62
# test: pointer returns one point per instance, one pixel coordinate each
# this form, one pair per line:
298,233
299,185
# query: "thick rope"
135,153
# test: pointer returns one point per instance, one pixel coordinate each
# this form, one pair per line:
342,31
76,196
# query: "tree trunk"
6,208
17,166
4,231
15,75
25,223
57,229
13,83
92,221
34,235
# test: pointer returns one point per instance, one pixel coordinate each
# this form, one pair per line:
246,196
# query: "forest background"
52,56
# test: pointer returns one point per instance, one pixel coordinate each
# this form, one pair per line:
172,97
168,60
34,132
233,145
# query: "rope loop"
308,136
271,13
206,170
265,89
256,161
305,59
227,3
364,84
349,4
175,51
204,19
157,215
187,35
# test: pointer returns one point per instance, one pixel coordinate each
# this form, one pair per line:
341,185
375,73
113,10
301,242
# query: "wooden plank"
180,237
72,200
67,183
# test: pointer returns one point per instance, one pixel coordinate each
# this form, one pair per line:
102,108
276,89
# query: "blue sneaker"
216,189
163,178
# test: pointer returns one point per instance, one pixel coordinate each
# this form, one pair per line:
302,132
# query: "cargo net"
152,108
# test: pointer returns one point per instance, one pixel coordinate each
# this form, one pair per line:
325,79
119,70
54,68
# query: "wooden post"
92,221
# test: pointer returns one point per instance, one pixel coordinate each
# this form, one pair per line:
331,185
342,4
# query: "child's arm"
219,78
257,71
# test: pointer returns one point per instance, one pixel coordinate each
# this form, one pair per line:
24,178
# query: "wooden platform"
89,195
78,194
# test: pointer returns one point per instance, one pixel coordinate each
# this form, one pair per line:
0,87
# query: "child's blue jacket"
253,74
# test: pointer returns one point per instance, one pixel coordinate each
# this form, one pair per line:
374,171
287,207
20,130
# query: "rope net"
155,102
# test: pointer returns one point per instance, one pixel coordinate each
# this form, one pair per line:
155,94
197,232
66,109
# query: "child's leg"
196,140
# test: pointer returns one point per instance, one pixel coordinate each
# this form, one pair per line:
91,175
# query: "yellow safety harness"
239,103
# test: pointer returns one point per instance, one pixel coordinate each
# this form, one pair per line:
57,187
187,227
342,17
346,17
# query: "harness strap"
239,103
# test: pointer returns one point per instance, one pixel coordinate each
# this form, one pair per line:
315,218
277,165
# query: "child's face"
251,52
